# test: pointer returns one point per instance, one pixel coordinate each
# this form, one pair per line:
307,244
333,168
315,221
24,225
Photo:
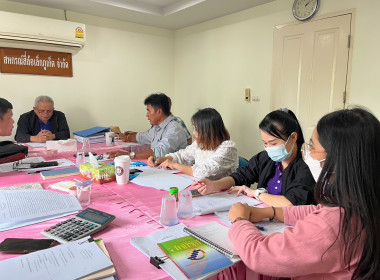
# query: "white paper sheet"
216,233
269,226
62,162
219,202
37,145
25,207
161,179
148,246
8,167
68,261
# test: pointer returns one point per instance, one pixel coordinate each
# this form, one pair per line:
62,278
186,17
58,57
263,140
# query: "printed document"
25,207
161,179
219,202
24,165
72,260
268,226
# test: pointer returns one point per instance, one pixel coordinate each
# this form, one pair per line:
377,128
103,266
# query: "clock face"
305,9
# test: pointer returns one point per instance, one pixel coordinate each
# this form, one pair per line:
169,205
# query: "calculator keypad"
71,229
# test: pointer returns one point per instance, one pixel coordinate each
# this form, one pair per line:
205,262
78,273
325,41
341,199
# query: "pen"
260,228
35,172
154,155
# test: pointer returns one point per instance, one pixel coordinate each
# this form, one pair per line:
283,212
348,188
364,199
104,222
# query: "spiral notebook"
216,236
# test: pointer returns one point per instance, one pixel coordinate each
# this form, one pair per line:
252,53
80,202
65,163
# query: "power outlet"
247,95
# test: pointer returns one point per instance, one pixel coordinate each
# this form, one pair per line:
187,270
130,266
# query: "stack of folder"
96,134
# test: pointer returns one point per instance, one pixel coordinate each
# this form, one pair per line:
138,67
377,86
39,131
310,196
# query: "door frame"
350,51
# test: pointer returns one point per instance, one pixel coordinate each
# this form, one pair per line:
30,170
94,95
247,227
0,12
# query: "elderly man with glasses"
43,123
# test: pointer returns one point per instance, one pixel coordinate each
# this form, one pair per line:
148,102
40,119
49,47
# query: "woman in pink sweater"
340,237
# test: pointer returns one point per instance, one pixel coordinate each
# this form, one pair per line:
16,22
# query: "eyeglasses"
18,165
306,149
44,112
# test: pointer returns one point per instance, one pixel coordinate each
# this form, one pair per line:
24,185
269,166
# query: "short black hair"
159,101
5,105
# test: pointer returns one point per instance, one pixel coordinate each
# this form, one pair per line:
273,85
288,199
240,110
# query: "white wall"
206,65
120,65
215,61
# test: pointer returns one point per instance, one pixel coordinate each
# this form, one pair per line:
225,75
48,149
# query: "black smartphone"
195,193
22,245
43,164
85,154
134,170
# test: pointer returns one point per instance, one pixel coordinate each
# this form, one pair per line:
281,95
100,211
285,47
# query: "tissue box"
103,174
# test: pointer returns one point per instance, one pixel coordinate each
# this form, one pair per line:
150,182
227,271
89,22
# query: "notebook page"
22,207
216,233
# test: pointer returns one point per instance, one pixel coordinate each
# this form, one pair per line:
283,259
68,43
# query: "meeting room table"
137,210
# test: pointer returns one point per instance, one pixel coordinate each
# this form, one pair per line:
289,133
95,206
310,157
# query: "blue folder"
91,131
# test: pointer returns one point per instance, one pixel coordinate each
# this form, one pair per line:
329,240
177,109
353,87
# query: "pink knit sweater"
306,251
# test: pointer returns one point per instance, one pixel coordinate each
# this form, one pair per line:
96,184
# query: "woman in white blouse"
212,155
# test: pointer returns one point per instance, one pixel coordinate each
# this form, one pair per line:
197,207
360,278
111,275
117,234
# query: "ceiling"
170,14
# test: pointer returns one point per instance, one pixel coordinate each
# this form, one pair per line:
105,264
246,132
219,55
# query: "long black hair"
210,127
351,138
280,124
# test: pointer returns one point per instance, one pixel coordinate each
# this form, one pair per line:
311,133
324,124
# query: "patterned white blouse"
211,164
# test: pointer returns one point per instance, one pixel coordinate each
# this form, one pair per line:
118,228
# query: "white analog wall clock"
305,9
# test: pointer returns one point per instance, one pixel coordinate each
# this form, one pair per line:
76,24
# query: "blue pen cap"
83,183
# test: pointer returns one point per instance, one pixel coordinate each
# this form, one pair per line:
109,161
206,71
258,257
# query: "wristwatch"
132,155
260,191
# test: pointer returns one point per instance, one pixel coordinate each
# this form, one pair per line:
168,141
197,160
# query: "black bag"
12,152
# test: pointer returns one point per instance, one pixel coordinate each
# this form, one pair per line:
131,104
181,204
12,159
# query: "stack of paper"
100,138
73,260
95,134
31,186
25,207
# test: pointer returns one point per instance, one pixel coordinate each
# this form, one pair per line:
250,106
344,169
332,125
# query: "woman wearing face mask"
283,177
339,237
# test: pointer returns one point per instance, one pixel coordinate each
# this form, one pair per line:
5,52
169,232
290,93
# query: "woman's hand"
242,189
239,210
158,161
205,186
167,164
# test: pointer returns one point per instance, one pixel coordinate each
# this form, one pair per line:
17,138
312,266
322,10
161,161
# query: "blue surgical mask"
279,153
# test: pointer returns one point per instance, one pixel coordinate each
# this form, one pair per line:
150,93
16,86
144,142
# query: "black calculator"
84,224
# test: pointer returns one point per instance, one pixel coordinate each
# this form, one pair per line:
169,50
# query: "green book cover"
193,257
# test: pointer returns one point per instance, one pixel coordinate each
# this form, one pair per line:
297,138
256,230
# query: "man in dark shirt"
43,123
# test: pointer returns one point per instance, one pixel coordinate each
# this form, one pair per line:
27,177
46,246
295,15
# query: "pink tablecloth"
137,211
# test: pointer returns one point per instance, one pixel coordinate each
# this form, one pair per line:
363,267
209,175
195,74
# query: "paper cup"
110,138
122,169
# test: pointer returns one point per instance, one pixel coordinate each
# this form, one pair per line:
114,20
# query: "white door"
310,64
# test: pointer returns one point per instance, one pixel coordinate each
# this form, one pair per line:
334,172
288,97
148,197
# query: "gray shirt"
168,137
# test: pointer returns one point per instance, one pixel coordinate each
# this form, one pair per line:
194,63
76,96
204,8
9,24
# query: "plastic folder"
91,131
